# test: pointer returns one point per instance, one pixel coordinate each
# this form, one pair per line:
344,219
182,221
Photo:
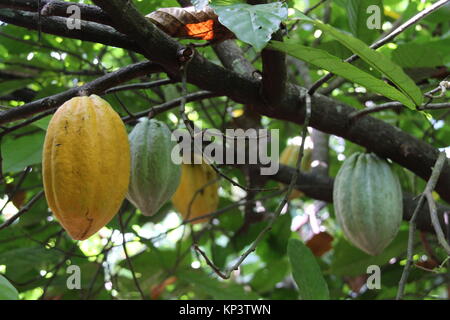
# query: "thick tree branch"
321,188
89,31
59,8
274,69
274,73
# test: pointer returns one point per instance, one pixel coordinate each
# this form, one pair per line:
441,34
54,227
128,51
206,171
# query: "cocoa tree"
313,74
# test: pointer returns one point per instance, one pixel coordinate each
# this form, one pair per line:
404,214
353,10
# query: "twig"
22,211
100,266
172,104
27,122
227,274
17,186
56,269
47,47
384,40
412,225
435,221
190,128
130,265
391,105
385,106
443,87
97,86
140,86
124,107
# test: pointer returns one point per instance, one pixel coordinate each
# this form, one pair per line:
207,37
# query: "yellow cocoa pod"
289,157
86,165
197,192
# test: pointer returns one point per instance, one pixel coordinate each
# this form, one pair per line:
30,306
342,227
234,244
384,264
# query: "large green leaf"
417,55
350,261
10,86
21,152
7,290
267,277
358,18
376,60
43,122
346,70
273,248
253,24
306,272
217,289
21,262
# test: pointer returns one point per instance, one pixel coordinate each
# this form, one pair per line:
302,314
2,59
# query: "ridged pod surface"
154,176
86,165
197,193
289,157
368,203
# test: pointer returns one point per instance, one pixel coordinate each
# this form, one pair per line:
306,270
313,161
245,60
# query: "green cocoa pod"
154,177
368,203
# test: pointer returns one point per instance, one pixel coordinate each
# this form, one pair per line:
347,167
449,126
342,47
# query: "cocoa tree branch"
59,8
437,169
89,31
274,68
321,188
97,86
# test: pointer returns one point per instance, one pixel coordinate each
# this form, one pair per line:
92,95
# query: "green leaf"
306,272
7,291
22,261
358,18
22,152
253,24
10,86
273,248
43,122
416,56
350,261
376,60
217,289
346,70
267,277
220,254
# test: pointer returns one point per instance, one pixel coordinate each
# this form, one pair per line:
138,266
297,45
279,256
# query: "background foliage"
35,252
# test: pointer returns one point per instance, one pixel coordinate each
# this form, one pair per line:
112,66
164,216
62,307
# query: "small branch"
431,184
385,106
90,31
22,211
434,220
277,213
392,105
97,86
50,48
442,89
421,15
130,264
434,106
140,86
59,8
172,104
60,71
26,122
